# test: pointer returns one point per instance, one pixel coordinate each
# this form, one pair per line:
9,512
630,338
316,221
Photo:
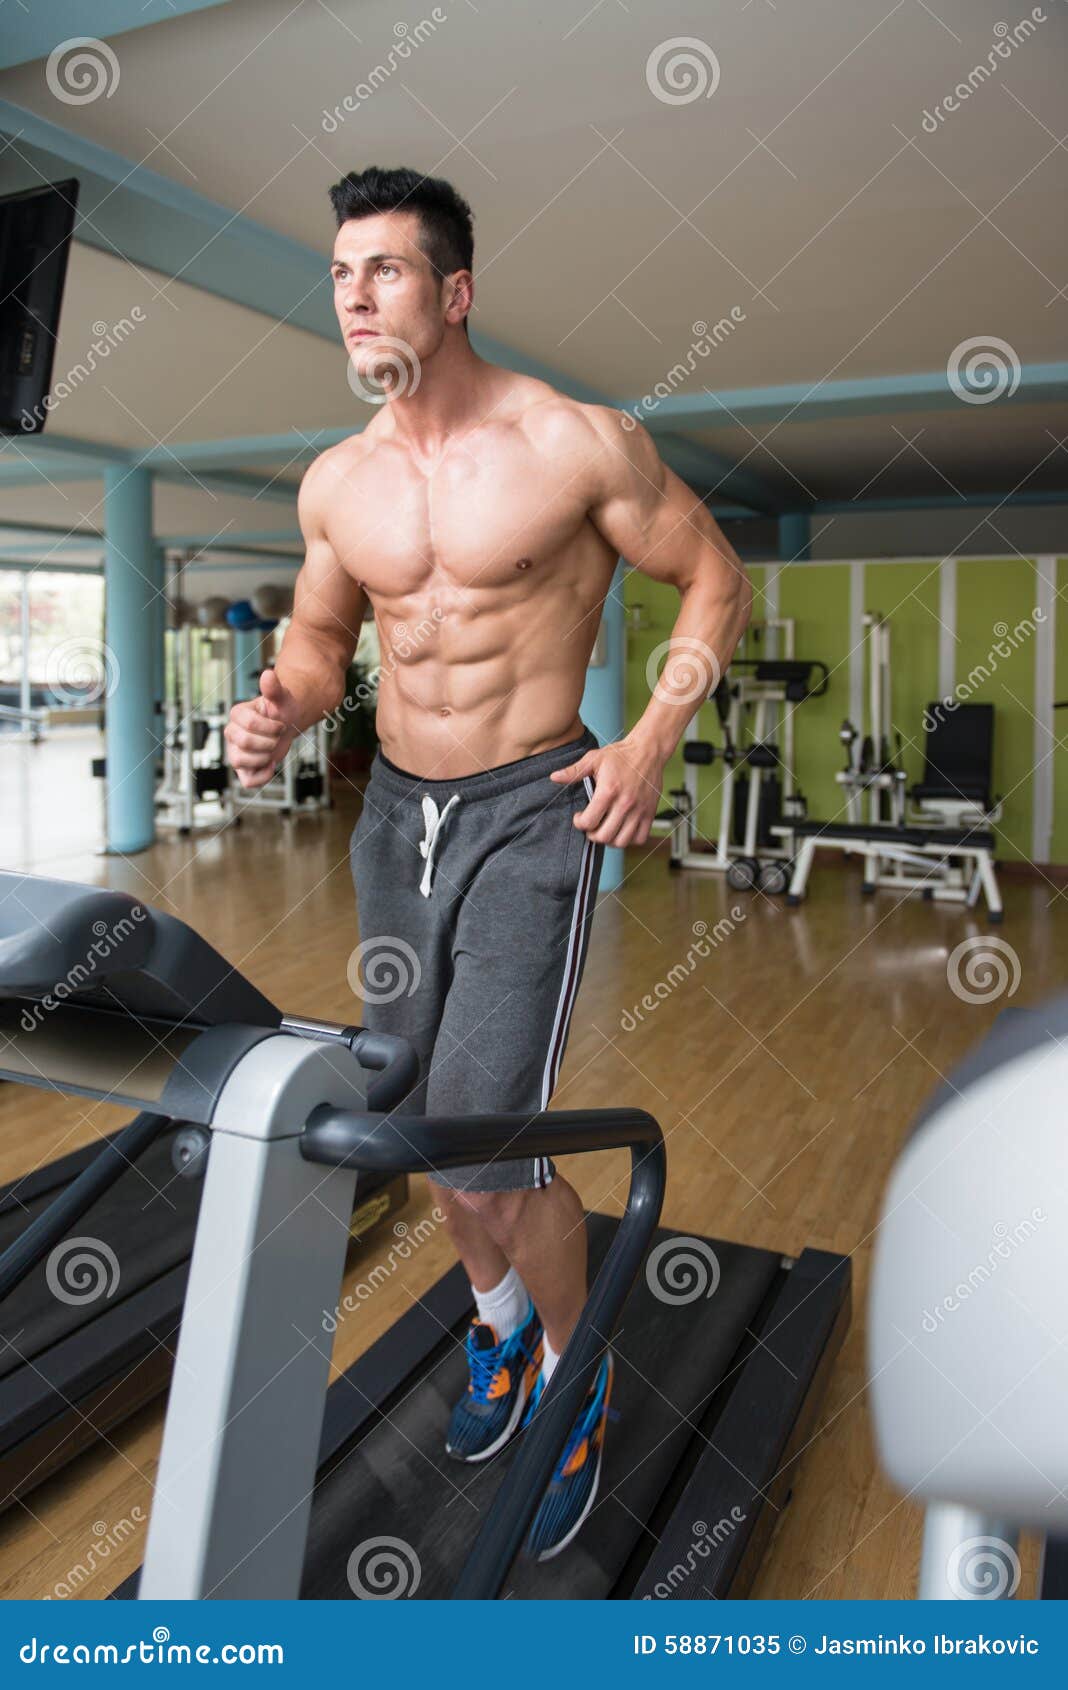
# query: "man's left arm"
657,525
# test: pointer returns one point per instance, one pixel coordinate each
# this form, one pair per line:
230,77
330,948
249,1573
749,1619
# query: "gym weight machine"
933,838
755,699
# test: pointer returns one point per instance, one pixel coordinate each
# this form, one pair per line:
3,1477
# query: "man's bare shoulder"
334,465
560,425
614,449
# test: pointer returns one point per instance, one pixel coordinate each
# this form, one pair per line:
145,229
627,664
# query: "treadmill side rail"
237,1466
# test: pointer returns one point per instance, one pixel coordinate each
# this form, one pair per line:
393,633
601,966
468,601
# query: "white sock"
549,1359
505,1307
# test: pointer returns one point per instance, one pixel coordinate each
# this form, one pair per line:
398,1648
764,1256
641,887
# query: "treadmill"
74,1365
273,1482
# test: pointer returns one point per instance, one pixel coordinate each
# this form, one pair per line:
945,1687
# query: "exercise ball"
241,615
212,612
269,601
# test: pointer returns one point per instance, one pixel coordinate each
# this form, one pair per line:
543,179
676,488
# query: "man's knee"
502,1213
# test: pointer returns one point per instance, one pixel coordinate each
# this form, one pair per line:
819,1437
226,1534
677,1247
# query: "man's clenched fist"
260,732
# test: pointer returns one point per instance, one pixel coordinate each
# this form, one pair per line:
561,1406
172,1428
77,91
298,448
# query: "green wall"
908,593
816,595
993,598
1060,719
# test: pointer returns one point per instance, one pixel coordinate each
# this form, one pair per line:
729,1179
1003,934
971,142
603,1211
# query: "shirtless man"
481,514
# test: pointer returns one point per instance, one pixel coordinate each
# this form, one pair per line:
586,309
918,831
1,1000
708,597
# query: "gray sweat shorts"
475,898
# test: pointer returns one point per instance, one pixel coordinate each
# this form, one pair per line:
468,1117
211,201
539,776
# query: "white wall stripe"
771,605
1045,681
856,643
947,626
569,985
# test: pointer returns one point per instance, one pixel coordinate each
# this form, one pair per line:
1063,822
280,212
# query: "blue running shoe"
502,1376
571,1493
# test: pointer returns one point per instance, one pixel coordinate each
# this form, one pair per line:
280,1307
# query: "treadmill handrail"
416,1143
54,1223
412,1144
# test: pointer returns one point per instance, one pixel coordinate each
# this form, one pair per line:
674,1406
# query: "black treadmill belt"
397,1483
147,1220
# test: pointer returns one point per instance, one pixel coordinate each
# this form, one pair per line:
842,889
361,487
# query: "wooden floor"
785,1070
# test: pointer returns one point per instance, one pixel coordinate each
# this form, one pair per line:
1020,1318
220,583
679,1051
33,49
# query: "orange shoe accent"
502,1384
577,1460
533,1367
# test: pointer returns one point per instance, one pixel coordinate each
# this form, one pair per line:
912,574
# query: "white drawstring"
433,821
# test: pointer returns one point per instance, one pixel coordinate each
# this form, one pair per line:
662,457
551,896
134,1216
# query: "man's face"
386,291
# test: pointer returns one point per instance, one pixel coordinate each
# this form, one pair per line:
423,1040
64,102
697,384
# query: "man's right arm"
328,608
308,679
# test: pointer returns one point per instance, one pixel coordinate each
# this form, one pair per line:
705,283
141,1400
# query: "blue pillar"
132,587
602,701
795,533
159,605
246,663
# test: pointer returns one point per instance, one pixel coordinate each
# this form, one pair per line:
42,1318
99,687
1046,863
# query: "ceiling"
804,192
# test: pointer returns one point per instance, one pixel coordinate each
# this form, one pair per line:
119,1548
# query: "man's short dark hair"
446,232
